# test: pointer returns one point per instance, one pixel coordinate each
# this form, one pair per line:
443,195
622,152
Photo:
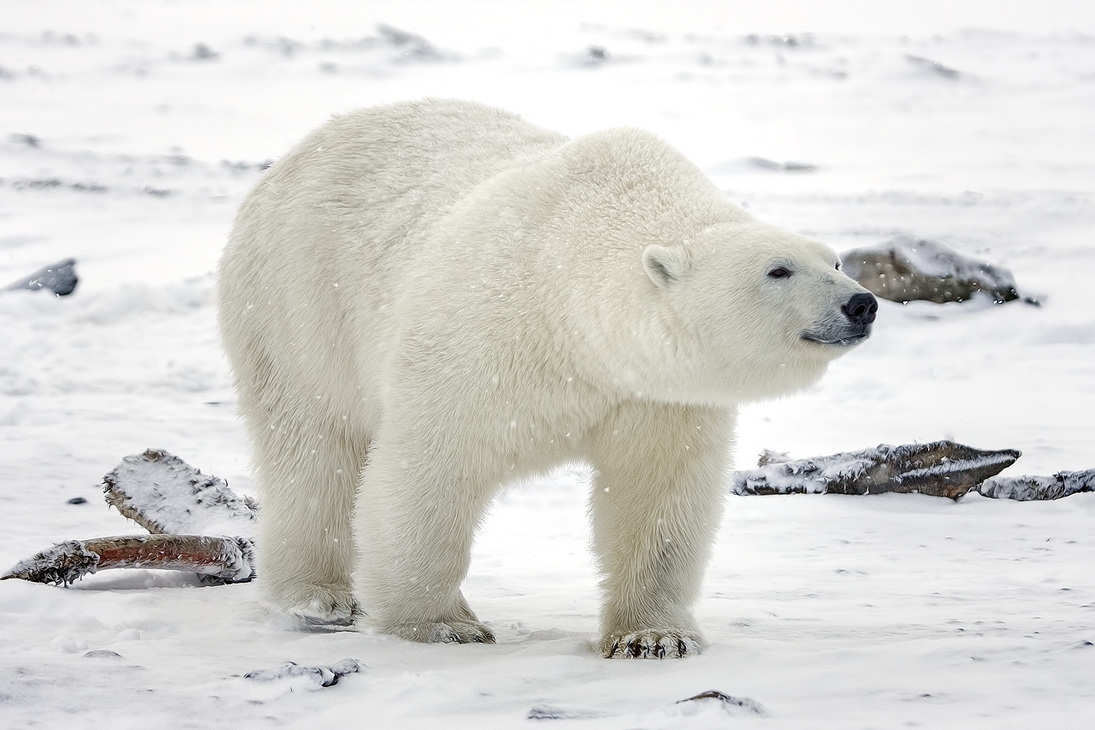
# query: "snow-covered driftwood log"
940,468
905,268
221,559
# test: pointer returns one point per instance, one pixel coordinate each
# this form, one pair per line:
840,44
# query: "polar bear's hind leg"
307,471
415,525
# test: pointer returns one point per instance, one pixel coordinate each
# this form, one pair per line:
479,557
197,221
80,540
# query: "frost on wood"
64,563
940,468
222,559
1028,488
904,269
165,495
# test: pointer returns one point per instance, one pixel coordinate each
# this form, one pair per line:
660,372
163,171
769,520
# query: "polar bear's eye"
779,272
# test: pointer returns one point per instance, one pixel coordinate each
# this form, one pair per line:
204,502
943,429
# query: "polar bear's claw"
650,644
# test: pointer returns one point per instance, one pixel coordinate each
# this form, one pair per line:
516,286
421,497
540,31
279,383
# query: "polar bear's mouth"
839,342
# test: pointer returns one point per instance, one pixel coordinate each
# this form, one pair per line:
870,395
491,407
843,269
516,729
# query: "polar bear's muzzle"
859,313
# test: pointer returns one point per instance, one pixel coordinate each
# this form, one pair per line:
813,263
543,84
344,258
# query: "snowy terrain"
129,132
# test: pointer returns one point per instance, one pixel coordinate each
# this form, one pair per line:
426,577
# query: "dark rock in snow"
546,712
933,66
28,139
411,47
203,52
765,164
905,269
731,704
590,57
595,56
102,654
60,278
77,500
784,41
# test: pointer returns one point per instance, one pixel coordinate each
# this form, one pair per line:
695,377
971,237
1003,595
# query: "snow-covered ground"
129,132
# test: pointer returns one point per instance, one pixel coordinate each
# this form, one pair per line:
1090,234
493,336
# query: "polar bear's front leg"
658,496
415,523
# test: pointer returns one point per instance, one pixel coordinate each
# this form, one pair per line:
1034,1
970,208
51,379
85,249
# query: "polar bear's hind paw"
451,632
650,644
325,610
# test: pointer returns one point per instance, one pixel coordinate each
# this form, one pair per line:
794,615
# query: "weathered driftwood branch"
1027,488
222,559
940,468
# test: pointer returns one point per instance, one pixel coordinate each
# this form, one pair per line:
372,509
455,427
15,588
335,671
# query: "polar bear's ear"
665,265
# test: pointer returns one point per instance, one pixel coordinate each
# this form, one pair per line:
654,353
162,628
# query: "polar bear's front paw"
650,644
449,632
325,609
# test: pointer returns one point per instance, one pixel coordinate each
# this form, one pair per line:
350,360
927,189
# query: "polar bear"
426,301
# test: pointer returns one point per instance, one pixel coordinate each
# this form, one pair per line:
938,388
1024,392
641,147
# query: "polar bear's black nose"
861,309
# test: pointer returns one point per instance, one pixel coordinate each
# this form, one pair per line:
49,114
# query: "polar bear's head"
759,311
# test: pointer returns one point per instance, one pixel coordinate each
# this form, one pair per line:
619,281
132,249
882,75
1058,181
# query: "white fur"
428,300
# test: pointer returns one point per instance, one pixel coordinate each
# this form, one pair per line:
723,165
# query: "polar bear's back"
369,178
319,246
